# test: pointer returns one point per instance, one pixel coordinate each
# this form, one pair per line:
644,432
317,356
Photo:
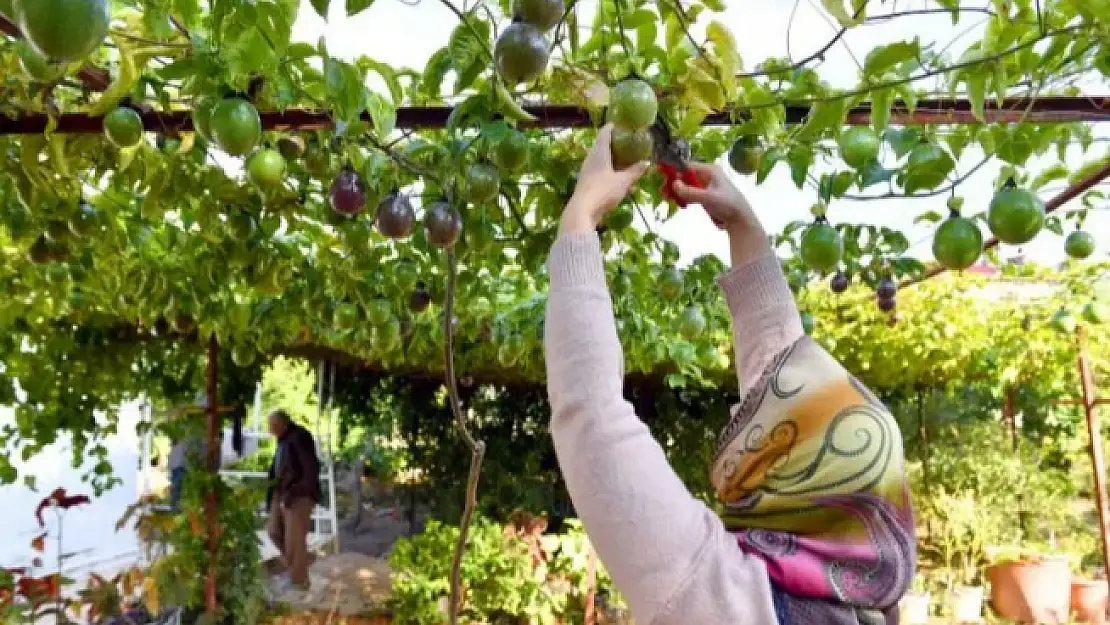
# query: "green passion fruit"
746,155
543,14
236,126
483,182
633,105
691,323
123,127
631,146
821,247
266,168
63,30
620,218
927,166
1015,215
511,153
957,243
671,284
1079,244
1096,313
859,145
521,53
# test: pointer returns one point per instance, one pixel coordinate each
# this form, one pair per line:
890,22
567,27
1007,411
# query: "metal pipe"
933,111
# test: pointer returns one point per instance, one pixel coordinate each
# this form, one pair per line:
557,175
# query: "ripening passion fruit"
443,225
123,127
633,105
957,243
291,147
543,14
670,284
395,216
483,182
1015,215
347,194
236,126
63,30
839,282
691,323
631,146
521,53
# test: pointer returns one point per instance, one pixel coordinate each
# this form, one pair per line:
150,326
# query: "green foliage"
118,264
510,572
179,577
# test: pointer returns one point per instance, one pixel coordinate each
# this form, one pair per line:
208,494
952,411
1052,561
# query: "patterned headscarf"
810,473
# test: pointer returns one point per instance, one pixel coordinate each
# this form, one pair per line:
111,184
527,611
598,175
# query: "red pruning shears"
671,157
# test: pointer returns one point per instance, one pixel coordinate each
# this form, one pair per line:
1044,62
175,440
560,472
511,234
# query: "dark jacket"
295,471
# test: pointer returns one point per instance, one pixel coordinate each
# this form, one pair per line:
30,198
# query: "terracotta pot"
1088,601
1032,591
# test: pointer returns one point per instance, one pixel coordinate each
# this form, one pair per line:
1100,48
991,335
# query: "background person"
294,491
816,524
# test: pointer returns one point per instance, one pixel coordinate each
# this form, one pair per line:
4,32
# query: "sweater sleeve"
765,317
667,552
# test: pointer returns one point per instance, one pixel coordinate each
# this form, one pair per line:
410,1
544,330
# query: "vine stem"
477,447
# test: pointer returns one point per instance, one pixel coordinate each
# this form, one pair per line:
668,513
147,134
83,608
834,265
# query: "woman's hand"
729,210
600,187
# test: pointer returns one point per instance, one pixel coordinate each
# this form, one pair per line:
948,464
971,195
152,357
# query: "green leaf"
881,102
928,217
389,76
382,113
469,43
321,7
800,158
1059,171
885,57
354,7
841,182
874,173
902,140
845,16
1054,225
770,158
977,94
823,116
434,72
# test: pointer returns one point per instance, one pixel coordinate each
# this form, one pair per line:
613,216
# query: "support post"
212,465
1098,461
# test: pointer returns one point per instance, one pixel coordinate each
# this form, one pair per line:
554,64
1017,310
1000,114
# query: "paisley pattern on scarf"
811,475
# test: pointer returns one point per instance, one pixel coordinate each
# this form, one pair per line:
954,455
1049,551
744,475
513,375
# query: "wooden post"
1098,462
212,463
923,439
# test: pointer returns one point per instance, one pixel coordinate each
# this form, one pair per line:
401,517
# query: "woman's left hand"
600,187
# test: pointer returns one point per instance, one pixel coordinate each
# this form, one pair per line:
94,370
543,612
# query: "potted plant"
915,604
960,529
1031,585
1088,599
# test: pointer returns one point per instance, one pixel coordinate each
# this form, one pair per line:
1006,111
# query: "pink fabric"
669,554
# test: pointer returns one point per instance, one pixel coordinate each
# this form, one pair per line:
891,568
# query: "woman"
816,525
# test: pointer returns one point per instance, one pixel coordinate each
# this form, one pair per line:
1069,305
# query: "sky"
403,35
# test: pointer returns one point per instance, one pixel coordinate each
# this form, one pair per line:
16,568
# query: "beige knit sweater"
667,552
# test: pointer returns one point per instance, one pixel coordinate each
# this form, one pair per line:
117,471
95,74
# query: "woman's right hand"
728,208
